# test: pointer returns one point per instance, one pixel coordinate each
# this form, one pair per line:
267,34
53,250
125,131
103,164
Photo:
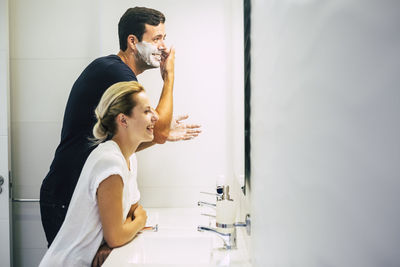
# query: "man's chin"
154,65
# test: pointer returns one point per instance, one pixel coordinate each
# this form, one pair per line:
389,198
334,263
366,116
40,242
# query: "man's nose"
162,45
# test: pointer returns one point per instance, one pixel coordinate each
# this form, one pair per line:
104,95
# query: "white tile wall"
4,237
236,101
191,163
28,230
33,146
3,92
4,172
53,29
28,257
5,233
176,196
29,241
4,25
40,87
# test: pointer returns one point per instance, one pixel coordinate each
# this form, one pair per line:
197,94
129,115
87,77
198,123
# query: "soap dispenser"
225,211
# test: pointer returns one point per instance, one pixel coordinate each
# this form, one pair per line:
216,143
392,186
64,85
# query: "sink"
164,248
173,250
177,243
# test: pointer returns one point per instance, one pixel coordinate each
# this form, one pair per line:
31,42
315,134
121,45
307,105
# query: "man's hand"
181,131
101,255
167,64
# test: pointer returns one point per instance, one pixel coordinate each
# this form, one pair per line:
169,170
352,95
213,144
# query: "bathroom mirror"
209,86
65,36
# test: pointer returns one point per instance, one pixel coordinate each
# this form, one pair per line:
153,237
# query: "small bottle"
226,211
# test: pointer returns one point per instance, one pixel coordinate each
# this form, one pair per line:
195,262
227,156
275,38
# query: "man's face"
152,45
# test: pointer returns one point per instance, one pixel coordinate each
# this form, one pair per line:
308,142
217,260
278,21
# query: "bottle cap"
220,183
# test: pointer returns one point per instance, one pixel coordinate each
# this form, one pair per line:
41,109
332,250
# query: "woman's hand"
117,231
140,215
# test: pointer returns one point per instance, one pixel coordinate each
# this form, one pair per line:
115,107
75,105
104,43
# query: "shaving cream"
149,53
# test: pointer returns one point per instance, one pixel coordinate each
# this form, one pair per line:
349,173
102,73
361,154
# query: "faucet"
229,238
207,204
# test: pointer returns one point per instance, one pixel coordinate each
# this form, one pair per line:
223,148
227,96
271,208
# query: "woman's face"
143,118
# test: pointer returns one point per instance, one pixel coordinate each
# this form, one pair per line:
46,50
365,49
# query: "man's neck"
129,59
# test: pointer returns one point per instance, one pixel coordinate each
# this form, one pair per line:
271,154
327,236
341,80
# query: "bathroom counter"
178,243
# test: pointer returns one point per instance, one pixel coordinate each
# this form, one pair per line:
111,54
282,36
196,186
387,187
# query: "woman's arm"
117,230
131,212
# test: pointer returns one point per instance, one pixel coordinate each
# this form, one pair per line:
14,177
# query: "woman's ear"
121,120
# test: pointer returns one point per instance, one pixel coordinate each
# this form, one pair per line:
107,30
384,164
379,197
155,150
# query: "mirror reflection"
208,87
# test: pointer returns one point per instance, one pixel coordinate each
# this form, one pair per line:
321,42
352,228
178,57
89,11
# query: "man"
141,37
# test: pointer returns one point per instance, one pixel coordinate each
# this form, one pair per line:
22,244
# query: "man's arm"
145,145
165,104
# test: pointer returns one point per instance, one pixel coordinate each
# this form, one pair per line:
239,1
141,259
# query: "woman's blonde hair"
118,98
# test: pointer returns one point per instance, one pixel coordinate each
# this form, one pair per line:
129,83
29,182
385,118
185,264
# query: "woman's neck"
127,147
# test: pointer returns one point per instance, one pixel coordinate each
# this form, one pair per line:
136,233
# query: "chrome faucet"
229,238
207,204
218,195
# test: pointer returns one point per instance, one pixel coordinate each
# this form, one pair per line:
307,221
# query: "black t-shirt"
79,119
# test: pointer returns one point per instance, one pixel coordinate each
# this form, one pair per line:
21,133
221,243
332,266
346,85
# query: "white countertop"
178,243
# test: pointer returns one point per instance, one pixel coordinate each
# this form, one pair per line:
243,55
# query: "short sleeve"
102,169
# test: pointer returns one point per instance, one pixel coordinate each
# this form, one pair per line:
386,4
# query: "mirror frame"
247,93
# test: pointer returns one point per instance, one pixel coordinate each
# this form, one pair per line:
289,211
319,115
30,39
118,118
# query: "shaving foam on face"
149,53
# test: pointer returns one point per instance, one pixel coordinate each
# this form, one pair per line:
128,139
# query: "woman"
104,205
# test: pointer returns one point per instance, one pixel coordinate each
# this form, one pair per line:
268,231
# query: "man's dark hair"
133,22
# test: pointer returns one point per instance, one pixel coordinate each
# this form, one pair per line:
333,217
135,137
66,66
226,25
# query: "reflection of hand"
101,255
181,131
167,64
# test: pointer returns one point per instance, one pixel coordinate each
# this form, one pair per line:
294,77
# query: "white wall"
4,136
49,47
51,42
325,133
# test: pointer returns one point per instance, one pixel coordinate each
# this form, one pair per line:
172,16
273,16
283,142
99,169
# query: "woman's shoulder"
108,152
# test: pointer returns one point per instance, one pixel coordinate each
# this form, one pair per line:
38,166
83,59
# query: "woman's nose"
155,117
